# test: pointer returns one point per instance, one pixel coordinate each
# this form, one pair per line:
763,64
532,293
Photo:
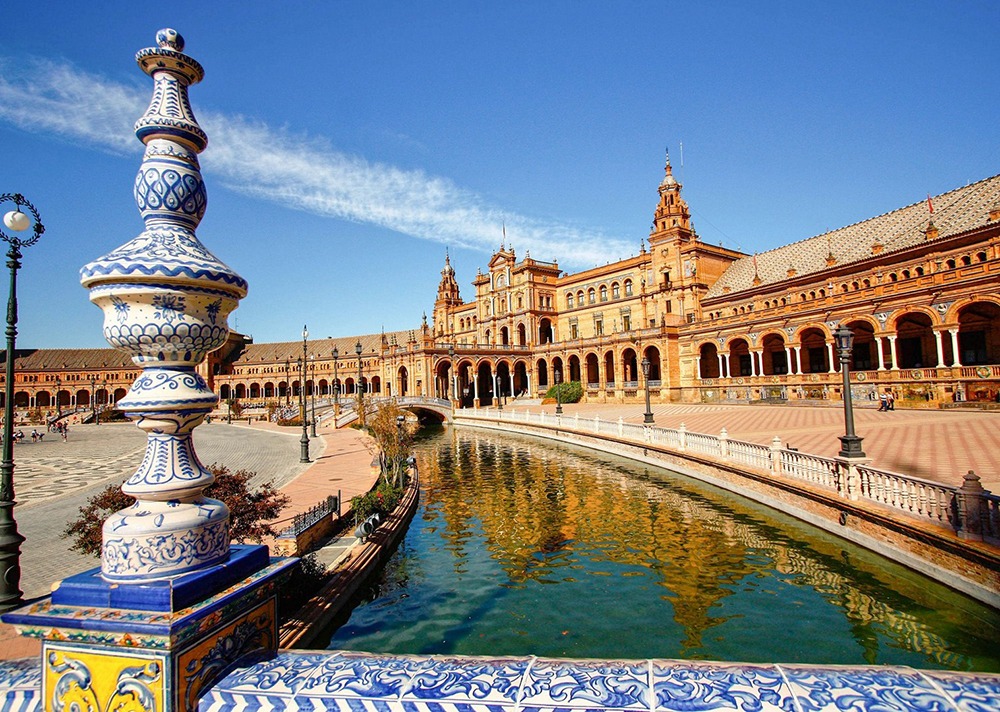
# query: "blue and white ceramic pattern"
356,682
359,681
166,300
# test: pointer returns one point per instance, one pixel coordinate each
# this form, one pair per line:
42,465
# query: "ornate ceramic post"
165,300
173,604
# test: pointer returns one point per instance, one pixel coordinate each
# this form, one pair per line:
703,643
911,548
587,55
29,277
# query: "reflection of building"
920,287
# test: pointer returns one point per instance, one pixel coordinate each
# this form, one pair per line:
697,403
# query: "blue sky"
352,143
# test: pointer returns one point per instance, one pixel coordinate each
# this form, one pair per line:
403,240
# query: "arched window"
569,300
950,264
966,260
615,291
591,296
604,293
906,274
628,287
579,298
981,256
893,277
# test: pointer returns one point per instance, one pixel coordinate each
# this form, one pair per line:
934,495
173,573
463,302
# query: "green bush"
382,499
570,392
306,580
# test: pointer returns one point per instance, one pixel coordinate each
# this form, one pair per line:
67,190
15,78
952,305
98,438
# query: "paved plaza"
937,445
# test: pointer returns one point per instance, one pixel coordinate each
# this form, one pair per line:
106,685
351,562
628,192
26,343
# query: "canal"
524,547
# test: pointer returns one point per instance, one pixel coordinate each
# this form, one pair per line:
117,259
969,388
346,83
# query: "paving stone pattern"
52,479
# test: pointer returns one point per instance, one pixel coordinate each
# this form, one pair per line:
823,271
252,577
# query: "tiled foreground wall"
357,682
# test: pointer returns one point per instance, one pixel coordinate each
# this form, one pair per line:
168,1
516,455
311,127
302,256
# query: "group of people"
886,401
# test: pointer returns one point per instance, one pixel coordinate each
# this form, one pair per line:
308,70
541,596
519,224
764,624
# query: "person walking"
890,400
883,402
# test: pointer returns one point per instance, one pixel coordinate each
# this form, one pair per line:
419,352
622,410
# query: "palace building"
919,286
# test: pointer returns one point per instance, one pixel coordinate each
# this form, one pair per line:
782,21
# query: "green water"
524,547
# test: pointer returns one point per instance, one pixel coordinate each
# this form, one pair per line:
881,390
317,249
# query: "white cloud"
253,158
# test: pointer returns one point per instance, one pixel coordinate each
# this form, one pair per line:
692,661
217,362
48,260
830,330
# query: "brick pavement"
938,445
95,456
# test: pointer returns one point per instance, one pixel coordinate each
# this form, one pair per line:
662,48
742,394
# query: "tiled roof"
279,351
71,359
954,212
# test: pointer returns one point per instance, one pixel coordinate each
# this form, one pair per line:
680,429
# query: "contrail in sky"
275,165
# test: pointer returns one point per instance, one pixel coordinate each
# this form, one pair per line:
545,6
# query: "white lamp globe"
17,221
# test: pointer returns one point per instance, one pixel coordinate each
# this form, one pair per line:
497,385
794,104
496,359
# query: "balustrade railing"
971,511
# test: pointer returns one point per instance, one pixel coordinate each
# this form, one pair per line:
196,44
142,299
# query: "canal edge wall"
971,567
363,560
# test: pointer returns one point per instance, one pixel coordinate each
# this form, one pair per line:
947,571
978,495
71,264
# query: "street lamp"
104,387
451,366
58,404
850,443
287,384
312,392
304,440
336,386
556,374
400,420
361,386
648,416
93,402
10,539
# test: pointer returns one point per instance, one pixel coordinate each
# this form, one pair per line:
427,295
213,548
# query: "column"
697,366
722,366
475,388
788,360
829,356
798,359
892,352
881,353
510,377
940,348
956,355
753,363
527,383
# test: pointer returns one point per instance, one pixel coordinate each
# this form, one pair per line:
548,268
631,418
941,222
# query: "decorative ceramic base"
101,651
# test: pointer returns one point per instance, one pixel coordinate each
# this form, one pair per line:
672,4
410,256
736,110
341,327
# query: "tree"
393,439
250,512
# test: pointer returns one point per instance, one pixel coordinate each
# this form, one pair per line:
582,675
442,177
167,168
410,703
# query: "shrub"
305,580
382,499
570,392
249,511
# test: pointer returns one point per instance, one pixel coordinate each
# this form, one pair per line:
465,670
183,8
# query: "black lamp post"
648,416
336,385
556,377
312,391
304,440
361,386
58,404
93,402
287,384
850,442
10,539
400,420
104,388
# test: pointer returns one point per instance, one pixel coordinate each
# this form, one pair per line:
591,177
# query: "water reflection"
521,547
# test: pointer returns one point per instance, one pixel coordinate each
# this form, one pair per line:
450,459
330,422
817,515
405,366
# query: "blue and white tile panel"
358,682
